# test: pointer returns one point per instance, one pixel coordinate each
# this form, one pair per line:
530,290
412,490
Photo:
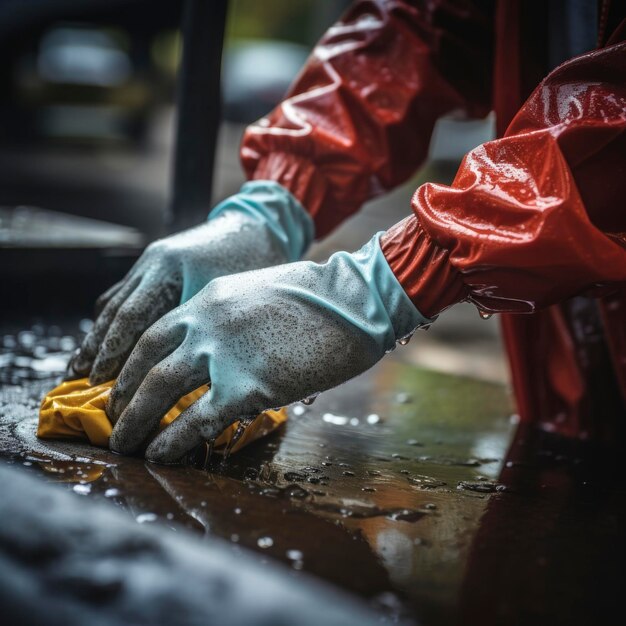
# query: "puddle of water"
388,487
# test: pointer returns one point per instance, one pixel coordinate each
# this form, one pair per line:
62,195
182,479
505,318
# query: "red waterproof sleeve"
535,217
358,120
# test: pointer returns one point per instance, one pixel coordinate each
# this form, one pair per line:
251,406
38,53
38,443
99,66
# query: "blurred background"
93,156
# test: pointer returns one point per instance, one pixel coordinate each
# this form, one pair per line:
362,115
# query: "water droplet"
265,542
111,493
403,341
241,429
479,486
234,537
426,482
145,518
389,602
298,410
337,420
295,491
406,515
294,477
83,490
484,315
8,341
237,511
372,418
67,343
26,339
294,555
40,352
310,399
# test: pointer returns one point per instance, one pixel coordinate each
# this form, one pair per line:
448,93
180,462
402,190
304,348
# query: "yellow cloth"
75,410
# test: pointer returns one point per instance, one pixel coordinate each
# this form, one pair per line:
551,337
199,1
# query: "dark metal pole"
198,111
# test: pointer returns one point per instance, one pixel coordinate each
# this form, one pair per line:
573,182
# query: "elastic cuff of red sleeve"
300,177
422,268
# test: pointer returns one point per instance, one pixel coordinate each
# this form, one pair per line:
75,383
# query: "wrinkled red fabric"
530,220
359,118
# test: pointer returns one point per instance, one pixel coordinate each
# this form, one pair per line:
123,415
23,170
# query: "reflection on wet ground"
406,487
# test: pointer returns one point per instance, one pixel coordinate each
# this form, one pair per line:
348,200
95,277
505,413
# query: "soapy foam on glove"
76,410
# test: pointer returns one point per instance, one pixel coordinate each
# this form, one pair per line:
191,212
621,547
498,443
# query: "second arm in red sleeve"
358,120
535,217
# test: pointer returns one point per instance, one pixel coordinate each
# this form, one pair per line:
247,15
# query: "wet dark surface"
413,489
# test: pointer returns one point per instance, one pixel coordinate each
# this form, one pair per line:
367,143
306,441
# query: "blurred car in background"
75,70
82,82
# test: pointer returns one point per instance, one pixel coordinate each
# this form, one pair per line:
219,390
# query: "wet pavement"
412,489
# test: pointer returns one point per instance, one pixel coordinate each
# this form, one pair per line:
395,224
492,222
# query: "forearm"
359,118
535,217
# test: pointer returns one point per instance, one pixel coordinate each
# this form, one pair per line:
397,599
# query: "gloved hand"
260,226
262,339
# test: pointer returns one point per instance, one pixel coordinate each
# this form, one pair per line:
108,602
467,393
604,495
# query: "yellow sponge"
75,410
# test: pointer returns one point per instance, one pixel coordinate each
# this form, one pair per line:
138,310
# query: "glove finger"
165,384
154,346
83,361
142,308
103,299
203,421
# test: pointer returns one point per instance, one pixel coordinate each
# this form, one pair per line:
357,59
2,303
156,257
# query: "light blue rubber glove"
262,225
262,339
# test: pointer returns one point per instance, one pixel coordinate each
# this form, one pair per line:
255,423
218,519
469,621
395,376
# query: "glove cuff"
275,207
389,300
361,288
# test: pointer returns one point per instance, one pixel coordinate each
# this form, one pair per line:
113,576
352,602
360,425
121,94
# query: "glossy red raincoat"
533,220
